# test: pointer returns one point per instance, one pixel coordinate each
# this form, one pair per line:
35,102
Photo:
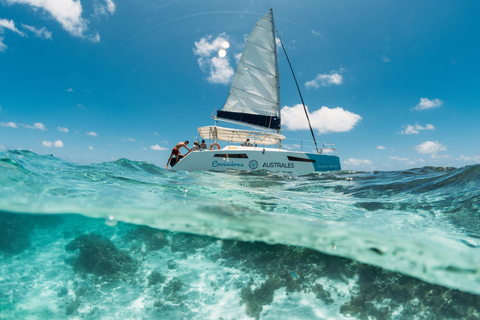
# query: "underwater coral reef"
86,269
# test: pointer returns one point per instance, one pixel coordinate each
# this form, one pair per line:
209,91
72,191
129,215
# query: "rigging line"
220,101
298,88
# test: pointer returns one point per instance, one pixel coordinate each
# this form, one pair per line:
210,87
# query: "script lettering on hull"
226,164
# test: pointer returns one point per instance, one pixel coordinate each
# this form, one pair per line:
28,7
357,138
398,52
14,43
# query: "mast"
279,130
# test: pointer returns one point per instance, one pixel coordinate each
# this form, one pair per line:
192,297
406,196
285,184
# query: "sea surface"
130,240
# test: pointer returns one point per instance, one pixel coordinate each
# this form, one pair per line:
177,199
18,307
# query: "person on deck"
195,147
203,145
247,143
176,152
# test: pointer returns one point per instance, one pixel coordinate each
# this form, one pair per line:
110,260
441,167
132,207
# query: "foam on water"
421,222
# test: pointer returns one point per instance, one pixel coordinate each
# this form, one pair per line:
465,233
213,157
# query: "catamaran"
254,101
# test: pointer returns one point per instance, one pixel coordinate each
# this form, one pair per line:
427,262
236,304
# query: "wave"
421,222
421,180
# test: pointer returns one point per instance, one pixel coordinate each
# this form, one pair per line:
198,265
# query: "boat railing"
290,144
329,148
308,146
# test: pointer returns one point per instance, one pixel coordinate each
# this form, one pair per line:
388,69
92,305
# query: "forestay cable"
301,98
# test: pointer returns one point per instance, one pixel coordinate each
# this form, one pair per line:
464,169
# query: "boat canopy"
240,136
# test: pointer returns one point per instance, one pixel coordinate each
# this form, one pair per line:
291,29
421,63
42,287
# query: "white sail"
254,94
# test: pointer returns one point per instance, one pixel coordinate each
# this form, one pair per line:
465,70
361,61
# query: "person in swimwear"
176,152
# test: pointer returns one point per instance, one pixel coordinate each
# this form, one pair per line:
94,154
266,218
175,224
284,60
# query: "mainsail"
254,97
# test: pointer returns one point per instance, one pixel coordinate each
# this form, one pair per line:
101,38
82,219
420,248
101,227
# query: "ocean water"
129,240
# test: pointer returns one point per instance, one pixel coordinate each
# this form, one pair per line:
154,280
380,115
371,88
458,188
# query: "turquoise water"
129,240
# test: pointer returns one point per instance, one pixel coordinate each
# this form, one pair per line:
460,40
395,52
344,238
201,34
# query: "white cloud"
325,80
381,147
36,126
66,12
428,104
415,129
3,46
220,71
47,144
95,38
292,146
110,6
104,7
90,148
324,120
385,59
469,158
237,57
10,25
277,42
206,48
9,124
217,66
127,139
58,144
403,159
157,148
430,147
92,133
39,126
39,33
61,129
358,162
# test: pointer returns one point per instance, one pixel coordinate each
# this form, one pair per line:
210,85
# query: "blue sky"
395,84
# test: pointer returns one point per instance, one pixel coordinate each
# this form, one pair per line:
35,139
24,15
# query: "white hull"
255,158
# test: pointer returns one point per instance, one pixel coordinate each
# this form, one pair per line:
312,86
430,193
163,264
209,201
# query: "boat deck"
253,148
